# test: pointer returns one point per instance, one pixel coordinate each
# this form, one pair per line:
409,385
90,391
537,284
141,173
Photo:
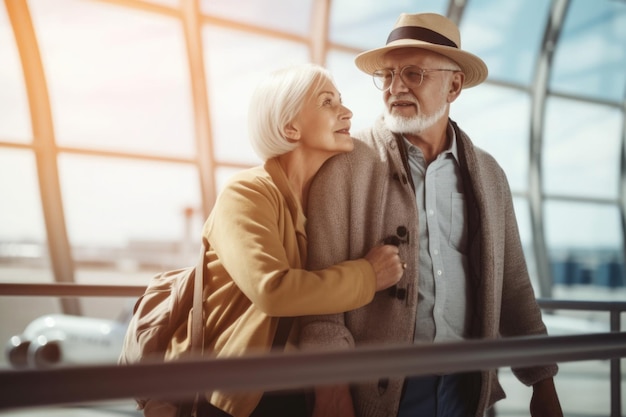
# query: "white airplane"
56,339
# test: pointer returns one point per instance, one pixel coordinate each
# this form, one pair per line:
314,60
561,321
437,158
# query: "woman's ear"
292,132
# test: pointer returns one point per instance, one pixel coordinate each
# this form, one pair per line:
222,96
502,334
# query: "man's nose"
397,85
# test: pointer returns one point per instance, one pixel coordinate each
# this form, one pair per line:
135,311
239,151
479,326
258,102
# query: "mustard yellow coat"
257,252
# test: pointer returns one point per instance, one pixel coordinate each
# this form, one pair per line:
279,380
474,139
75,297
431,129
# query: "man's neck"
432,141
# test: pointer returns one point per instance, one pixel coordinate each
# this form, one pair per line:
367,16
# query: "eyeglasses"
410,75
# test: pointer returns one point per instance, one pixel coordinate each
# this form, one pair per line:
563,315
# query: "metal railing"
294,370
79,384
71,290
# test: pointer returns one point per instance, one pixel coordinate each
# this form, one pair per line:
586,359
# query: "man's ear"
292,132
456,85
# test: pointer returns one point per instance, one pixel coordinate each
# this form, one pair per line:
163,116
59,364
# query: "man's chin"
413,125
399,124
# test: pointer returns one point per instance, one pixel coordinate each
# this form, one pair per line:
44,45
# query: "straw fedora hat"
428,31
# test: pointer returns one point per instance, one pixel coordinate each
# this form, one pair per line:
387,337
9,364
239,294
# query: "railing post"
616,382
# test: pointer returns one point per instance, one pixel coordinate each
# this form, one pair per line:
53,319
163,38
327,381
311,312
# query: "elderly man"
416,180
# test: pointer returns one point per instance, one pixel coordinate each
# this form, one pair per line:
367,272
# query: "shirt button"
431,212
439,272
436,251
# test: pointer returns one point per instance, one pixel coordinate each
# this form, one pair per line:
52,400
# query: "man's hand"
333,402
545,401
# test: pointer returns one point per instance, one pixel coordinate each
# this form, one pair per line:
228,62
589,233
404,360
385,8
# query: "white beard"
412,125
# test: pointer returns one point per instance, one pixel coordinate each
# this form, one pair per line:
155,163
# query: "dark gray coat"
360,198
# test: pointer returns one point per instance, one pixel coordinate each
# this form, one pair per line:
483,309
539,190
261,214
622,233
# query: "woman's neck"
300,170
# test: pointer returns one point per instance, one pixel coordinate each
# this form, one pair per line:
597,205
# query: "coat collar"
279,177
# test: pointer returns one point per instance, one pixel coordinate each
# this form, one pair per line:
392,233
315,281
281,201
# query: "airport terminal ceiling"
120,120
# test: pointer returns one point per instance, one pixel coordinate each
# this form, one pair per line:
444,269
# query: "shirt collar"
452,149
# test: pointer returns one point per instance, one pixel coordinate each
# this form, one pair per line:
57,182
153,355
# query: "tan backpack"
170,299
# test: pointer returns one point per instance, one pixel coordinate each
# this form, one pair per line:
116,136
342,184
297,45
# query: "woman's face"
324,123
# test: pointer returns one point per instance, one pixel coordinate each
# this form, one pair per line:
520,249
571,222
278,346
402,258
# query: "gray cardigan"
362,197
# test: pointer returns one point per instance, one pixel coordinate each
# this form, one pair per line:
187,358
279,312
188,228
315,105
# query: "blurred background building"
121,119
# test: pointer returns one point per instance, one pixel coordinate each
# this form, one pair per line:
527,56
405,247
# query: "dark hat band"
420,34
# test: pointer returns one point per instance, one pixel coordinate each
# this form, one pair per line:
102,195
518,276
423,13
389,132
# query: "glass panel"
21,220
128,214
497,119
582,149
591,54
585,243
118,78
23,245
236,62
586,250
14,112
284,15
366,25
357,90
23,248
507,35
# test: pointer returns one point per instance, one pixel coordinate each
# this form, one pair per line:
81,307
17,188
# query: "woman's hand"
387,265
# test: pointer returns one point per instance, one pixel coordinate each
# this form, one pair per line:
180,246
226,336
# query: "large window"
122,82
118,78
583,137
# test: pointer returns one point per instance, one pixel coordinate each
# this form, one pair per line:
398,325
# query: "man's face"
413,109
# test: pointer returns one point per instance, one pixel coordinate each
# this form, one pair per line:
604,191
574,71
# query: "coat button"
396,292
382,385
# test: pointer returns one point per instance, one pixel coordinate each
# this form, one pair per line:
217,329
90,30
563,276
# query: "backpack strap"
282,332
197,328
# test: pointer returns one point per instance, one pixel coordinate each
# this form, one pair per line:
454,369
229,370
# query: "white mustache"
404,97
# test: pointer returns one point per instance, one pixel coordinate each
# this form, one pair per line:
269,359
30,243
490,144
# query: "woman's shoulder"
251,184
256,176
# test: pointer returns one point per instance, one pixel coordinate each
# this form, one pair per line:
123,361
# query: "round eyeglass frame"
383,78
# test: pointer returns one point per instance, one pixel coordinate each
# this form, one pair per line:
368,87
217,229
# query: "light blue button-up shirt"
443,300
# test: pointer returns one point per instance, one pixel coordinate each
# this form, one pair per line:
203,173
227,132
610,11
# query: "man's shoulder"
370,136
355,167
366,150
375,140
482,156
361,156
364,144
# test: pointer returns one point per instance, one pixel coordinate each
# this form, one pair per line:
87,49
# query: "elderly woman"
257,240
